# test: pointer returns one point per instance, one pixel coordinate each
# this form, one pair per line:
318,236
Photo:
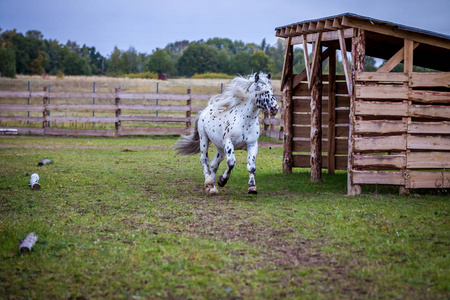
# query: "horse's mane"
234,93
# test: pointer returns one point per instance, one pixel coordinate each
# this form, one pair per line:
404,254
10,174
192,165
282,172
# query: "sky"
147,24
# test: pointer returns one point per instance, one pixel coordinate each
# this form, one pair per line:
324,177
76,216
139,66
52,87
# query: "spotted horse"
230,122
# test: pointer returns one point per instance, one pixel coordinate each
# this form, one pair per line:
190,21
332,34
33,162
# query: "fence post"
188,113
48,112
45,111
118,112
93,99
28,113
265,125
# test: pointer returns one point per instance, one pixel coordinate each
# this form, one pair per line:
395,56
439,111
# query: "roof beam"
395,32
395,60
316,54
346,63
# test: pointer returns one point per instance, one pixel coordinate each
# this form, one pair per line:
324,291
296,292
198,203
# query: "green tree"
239,63
198,58
160,62
7,61
37,65
260,61
369,64
276,53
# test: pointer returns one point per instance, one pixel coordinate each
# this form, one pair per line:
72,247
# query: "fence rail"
123,109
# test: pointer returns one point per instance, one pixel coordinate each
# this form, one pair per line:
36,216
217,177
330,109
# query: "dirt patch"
279,248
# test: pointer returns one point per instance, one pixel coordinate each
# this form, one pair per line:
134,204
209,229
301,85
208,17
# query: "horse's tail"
189,144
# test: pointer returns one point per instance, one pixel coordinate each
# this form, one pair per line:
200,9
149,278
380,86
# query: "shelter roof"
383,38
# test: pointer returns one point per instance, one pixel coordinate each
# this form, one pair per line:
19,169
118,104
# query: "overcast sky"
147,25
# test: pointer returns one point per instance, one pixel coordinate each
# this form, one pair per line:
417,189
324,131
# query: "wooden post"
118,111
288,133
316,117
358,57
45,112
407,68
331,150
265,125
188,113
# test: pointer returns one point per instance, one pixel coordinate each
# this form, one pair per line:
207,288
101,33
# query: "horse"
230,122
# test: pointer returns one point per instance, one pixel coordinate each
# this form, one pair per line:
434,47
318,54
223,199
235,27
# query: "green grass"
125,217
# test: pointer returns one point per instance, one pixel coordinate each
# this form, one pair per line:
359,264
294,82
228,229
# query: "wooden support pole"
358,58
316,116
408,56
288,133
45,111
189,104
331,150
306,57
118,111
345,62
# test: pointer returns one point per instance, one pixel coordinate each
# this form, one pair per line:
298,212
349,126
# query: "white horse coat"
230,122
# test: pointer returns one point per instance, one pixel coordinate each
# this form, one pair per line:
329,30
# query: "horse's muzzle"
274,110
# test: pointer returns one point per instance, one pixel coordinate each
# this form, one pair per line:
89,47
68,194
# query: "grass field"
127,218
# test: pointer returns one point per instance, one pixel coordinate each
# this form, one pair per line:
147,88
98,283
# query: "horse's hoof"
221,182
213,191
209,181
252,189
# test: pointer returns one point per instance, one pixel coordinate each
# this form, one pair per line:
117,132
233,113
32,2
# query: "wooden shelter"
382,127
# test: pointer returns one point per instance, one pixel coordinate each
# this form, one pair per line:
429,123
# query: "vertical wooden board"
428,160
379,162
301,119
342,116
378,177
304,131
342,101
439,79
303,161
419,179
380,127
429,127
304,145
381,92
365,108
408,56
304,105
429,142
380,143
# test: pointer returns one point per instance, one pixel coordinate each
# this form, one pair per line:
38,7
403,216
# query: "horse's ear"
268,76
256,77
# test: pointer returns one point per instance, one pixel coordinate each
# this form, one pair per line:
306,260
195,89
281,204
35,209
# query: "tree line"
31,53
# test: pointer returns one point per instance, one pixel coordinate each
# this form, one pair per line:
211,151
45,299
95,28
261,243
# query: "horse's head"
263,93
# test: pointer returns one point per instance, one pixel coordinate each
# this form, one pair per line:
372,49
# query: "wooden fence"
401,130
119,109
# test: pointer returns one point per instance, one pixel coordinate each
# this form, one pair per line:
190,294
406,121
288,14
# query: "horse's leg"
252,150
214,167
231,161
204,159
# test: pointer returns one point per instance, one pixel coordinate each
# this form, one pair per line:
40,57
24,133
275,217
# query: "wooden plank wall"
402,129
177,113
301,98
